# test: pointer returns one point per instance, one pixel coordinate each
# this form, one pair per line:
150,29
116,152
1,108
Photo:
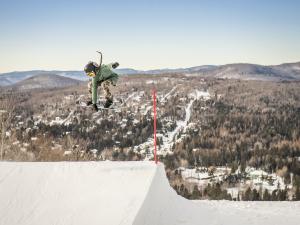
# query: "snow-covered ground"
260,179
255,178
252,213
168,94
117,193
171,137
181,125
202,174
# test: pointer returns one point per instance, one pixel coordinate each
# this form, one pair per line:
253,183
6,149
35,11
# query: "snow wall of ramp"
34,193
162,205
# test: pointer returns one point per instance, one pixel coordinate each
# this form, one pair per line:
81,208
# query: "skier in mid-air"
102,74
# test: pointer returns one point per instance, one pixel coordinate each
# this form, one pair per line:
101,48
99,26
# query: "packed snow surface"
117,193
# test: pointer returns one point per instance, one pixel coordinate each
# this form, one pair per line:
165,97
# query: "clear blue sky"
64,35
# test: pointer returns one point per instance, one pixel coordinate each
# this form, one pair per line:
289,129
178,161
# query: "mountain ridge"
45,80
248,71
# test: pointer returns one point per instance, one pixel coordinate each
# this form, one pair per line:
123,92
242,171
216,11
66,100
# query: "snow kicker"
87,193
138,193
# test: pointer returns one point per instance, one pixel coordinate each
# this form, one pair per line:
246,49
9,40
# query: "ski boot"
108,103
95,107
89,103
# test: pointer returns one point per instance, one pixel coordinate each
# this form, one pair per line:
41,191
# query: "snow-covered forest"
219,138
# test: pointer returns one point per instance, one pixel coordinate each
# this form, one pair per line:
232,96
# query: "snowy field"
256,213
117,193
255,178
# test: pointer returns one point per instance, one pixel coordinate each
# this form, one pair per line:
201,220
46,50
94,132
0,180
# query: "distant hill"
205,68
245,71
14,77
128,71
252,72
4,81
292,69
161,71
45,81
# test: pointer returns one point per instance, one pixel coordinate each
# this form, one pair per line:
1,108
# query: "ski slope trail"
137,193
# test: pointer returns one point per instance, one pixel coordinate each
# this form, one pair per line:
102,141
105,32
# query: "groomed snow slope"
111,193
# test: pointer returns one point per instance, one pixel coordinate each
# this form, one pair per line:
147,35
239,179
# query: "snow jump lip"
109,193
85,193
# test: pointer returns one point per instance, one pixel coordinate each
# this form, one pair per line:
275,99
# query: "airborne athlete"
102,74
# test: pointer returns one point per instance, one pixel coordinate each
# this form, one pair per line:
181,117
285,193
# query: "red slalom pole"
154,124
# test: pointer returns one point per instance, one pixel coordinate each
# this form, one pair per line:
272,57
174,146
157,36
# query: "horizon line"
144,70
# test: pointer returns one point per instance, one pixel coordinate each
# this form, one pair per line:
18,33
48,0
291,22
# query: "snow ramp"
87,193
113,193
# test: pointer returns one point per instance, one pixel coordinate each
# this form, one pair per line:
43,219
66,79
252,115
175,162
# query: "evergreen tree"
196,194
274,195
247,195
297,194
186,193
218,192
255,195
227,195
181,189
282,195
266,195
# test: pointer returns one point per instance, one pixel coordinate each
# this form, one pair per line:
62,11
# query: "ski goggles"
90,74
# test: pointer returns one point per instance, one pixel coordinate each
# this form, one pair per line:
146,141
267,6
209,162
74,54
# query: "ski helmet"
90,67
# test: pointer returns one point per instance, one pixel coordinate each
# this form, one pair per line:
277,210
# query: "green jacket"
103,74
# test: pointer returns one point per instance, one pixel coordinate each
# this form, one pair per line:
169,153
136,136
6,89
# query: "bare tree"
7,108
